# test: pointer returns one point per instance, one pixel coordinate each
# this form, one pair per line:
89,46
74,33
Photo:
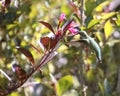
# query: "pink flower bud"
62,17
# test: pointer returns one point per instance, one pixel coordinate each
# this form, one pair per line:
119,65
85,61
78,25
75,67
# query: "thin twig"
35,48
82,13
5,75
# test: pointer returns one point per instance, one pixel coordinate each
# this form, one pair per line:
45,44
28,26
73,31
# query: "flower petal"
62,17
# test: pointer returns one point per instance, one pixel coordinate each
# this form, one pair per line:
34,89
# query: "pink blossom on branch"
72,28
73,31
62,17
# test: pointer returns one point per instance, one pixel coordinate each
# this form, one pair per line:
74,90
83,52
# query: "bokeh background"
76,70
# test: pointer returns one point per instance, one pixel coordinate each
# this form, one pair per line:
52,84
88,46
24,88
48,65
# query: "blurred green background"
76,75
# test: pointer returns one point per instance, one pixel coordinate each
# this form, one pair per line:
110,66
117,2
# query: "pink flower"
73,30
62,17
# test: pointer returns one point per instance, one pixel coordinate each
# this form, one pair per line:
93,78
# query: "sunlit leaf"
65,9
10,26
101,6
99,36
117,22
118,16
64,84
27,53
90,75
108,15
108,29
15,94
93,22
33,12
47,25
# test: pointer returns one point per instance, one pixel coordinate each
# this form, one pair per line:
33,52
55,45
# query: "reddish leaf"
47,25
27,53
20,73
48,43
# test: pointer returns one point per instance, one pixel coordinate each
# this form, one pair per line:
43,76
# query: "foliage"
43,51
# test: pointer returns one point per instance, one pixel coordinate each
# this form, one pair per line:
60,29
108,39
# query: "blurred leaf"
33,12
99,36
108,29
90,75
101,72
11,26
65,9
108,15
106,87
101,87
93,23
118,20
90,5
64,84
118,16
27,53
47,25
100,7
14,94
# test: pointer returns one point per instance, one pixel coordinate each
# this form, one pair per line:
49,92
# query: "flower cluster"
49,42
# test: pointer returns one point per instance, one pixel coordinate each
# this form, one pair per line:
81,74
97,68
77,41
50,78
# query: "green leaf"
117,22
101,73
64,84
99,36
118,16
93,22
14,94
11,26
90,5
101,6
108,15
108,29
101,87
90,75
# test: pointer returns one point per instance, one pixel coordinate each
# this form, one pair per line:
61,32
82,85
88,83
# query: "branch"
5,75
